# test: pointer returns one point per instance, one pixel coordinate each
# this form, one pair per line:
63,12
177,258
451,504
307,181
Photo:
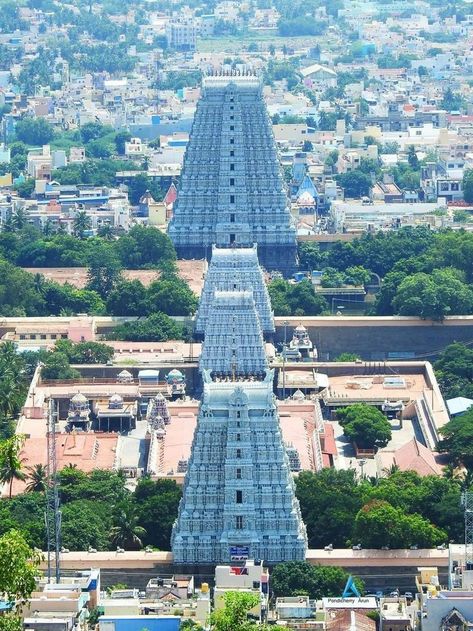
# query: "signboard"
349,603
239,553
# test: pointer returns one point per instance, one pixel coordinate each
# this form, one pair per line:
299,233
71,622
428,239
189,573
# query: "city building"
232,191
181,33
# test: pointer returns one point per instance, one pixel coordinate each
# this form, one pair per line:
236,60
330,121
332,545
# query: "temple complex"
232,190
235,269
238,499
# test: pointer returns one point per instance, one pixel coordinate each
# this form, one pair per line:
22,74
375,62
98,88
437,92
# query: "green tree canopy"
457,440
34,131
365,425
380,524
434,295
299,577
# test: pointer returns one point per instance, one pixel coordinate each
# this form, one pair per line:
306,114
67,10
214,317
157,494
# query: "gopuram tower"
238,499
232,191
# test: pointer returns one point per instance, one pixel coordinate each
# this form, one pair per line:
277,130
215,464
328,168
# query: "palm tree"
10,461
19,218
394,468
126,533
106,232
38,479
82,223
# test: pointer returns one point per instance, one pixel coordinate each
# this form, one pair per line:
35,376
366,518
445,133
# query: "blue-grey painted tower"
232,190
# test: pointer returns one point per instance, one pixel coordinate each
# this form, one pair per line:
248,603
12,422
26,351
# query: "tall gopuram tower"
238,499
232,190
235,269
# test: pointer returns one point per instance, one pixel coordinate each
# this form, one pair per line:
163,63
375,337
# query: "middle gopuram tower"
232,191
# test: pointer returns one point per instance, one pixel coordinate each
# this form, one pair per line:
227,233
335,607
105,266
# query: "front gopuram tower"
238,500
232,191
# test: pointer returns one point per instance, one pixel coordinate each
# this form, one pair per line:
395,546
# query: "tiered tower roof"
232,189
238,499
234,343
235,269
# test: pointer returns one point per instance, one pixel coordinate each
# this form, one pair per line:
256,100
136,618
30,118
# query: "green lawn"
235,43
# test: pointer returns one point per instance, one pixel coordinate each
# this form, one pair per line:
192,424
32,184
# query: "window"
238,474
232,166
239,497
455,186
238,453
232,199
232,127
232,181
232,117
239,522
232,238
232,153
232,141
238,437
232,218
238,414
232,107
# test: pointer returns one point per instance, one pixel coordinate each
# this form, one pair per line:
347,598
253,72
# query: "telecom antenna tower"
467,502
52,513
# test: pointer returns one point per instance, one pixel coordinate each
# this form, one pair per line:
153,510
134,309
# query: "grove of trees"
422,272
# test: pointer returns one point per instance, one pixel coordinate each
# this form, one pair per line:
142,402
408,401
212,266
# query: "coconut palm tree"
82,223
38,479
126,533
11,464
19,218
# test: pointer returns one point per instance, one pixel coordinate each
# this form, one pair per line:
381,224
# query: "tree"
120,139
296,299
454,371
158,327
357,275
85,352
11,463
82,224
92,131
332,278
126,533
19,566
300,577
157,504
412,158
171,296
434,295
139,184
25,189
104,271
355,183
57,366
234,614
457,441
451,101
310,256
34,131
307,146
365,425
329,500
128,298
467,185
379,524
84,524
145,247
37,479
